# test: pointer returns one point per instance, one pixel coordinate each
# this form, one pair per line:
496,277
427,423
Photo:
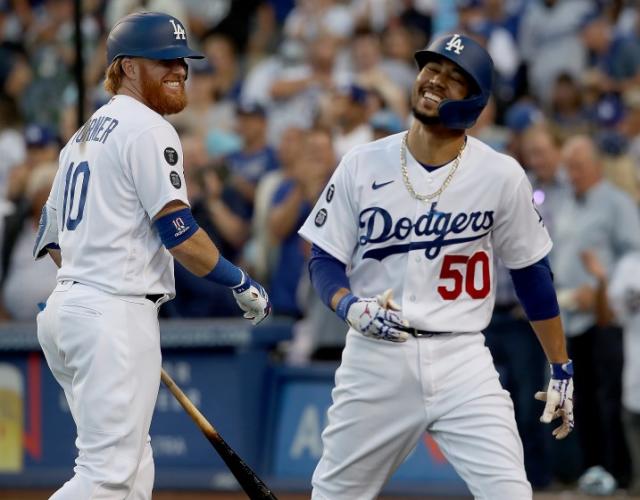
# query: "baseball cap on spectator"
251,108
39,136
468,4
521,115
387,121
609,111
201,67
221,143
355,92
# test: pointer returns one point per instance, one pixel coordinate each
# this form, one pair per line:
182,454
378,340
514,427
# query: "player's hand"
559,399
377,317
252,299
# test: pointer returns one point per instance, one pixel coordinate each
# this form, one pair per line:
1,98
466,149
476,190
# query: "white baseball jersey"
436,255
116,173
624,297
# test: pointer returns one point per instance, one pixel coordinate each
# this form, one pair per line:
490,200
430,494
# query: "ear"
130,68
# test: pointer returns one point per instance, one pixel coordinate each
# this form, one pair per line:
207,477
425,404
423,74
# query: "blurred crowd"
288,86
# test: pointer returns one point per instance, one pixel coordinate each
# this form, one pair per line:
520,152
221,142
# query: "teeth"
173,84
433,97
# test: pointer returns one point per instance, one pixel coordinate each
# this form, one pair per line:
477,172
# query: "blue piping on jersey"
435,245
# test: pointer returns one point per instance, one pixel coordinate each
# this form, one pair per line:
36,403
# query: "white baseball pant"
388,394
104,350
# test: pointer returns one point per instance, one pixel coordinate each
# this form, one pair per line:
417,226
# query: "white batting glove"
559,398
252,299
377,317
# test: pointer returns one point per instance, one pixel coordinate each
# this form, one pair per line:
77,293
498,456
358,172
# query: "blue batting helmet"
476,63
152,35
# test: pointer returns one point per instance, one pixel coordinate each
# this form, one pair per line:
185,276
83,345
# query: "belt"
422,333
153,297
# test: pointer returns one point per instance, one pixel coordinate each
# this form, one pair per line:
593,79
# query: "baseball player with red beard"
419,215
117,216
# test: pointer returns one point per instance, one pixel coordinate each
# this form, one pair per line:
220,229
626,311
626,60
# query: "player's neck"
134,92
434,147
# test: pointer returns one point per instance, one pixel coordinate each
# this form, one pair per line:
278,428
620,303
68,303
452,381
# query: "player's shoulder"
134,116
496,162
374,152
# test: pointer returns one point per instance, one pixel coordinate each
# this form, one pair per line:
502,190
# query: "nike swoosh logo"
378,186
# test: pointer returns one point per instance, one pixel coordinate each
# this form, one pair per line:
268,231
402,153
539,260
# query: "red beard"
159,98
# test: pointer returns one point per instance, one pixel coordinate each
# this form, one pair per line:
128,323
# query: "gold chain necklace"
405,173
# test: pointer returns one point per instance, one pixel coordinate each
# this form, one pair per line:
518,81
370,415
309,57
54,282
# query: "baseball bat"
248,480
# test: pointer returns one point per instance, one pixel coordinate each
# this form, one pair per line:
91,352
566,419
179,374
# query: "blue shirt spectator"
290,265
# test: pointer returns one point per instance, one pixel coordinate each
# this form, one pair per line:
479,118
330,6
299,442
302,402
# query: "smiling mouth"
431,97
173,84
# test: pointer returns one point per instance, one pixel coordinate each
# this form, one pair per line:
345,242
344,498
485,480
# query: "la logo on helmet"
455,44
178,30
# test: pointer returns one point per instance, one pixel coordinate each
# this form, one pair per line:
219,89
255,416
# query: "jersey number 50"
462,269
72,216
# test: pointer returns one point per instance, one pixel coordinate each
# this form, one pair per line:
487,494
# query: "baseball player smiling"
418,216
116,217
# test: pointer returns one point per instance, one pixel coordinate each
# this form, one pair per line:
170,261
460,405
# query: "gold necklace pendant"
405,173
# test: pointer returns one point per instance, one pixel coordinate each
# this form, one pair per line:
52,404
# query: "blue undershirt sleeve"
327,274
534,287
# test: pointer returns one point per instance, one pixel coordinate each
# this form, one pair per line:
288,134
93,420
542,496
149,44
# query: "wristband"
227,274
562,371
176,227
342,308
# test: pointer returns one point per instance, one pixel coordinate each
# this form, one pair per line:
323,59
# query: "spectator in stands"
203,113
550,42
619,302
227,76
542,158
518,118
398,62
262,252
311,19
352,121
601,217
630,127
291,205
616,58
256,158
295,93
28,283
566,111
369,69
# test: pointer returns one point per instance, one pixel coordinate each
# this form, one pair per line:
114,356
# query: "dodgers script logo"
380,227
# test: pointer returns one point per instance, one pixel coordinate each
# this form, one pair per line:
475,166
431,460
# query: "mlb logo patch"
321,217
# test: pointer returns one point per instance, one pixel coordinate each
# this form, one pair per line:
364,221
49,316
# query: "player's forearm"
198,253
551,336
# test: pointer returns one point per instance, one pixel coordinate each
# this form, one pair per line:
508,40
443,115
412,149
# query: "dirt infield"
209,495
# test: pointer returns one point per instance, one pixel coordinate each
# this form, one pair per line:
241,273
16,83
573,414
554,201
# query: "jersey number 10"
462,269
72,215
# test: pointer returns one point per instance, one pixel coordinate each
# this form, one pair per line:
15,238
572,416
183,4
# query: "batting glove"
559,398
374,317
252,299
